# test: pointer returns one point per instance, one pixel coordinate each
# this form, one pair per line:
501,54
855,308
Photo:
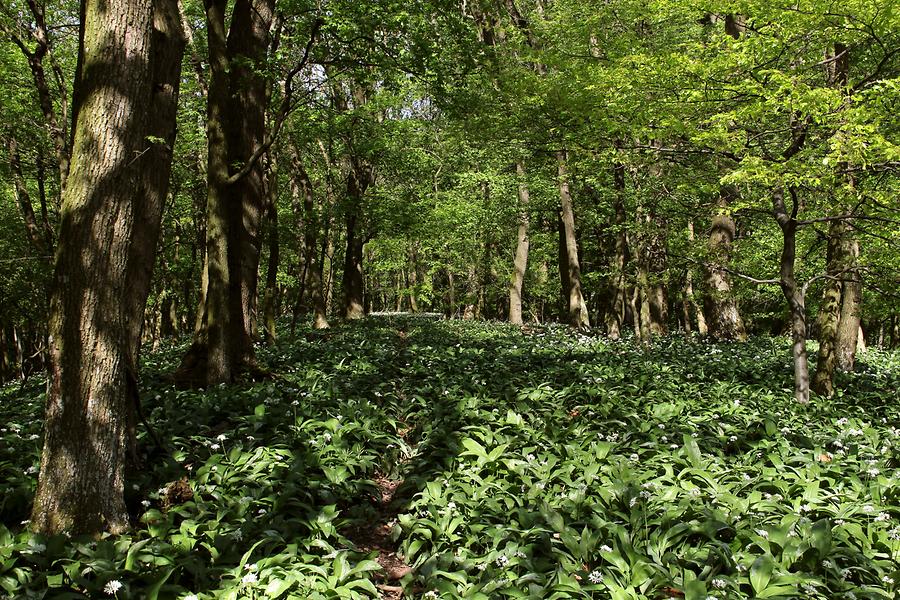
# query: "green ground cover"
496,463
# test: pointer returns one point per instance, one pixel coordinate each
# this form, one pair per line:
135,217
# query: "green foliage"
533,465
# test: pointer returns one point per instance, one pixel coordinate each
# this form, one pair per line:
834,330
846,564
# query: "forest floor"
420,458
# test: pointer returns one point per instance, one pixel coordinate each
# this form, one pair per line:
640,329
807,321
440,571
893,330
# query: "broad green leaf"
761,573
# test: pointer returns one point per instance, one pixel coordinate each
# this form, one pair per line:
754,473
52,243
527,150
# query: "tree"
126,98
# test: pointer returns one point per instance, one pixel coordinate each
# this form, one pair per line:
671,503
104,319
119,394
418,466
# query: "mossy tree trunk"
830,311
724,320
839,322
126,92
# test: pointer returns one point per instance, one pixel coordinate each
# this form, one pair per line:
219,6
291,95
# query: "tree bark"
111,214
849,331
691,299
830,311
520,262
793,292
577,309
358,181
237,99
724,318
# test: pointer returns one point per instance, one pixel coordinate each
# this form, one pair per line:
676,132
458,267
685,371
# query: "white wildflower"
595,577
112,587
249,578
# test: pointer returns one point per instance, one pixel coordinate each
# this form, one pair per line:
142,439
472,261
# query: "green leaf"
153,590
761,573
363,566
693,451
474,448
821,537
277,587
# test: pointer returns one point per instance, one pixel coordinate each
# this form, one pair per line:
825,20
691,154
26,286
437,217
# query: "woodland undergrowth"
414,457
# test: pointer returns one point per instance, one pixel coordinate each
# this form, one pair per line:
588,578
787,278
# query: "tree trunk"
413,278
793,293
634,304
236,106
451,294
724,319
248,43
302,189
894,331
42,197
615,312
651,258
270,302
358,181
23,200
702,327
520,262
577,309
112,209
222,310
830,311
848,334
651,269
56,126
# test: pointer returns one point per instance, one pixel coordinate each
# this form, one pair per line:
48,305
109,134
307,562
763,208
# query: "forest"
314,299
